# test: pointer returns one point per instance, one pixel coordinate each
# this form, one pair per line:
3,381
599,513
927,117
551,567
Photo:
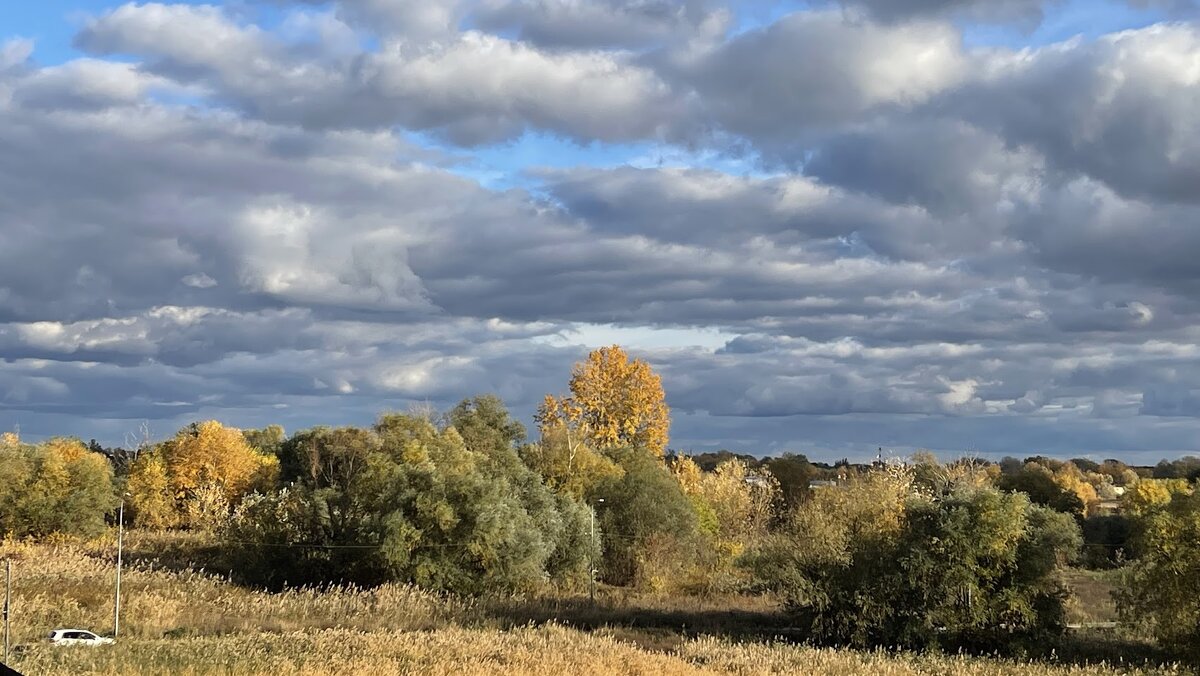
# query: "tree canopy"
58,486
614,402
194,478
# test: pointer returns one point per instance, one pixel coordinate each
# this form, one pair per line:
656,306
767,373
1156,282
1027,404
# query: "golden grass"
547,649
191,622
1092,595
67,585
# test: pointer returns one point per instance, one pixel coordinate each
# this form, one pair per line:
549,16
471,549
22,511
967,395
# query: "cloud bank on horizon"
830,226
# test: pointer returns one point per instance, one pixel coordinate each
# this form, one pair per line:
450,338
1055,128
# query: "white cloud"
15,52
199,280
911,242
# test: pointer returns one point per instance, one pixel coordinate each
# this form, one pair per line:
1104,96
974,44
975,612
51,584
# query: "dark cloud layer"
1027,12
924,244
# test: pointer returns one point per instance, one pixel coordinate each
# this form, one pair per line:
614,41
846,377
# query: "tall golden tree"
211,454
205,469
614,402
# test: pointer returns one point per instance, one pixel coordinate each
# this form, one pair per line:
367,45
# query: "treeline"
915,553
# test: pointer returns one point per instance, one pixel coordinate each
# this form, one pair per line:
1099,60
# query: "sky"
969,226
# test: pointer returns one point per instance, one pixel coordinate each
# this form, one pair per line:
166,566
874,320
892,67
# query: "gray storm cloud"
929,243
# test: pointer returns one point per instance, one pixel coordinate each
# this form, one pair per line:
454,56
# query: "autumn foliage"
614,402
58,486
912,553
1160,587
196,477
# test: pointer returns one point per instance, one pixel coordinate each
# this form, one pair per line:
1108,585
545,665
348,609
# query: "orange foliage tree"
614,402
204,470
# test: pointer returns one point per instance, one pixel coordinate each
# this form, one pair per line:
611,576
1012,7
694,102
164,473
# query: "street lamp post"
592,554
120,546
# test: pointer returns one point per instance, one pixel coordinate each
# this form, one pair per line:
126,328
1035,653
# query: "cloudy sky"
831,225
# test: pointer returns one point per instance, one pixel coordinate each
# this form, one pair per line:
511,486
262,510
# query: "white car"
77,637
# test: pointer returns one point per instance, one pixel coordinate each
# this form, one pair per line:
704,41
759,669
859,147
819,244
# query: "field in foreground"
528,650
181,621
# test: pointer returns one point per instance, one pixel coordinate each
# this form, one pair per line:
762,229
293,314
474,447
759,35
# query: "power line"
444,545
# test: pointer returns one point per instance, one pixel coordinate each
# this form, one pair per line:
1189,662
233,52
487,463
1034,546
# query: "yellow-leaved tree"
1149,495
1071,479
150,497
614,402
208,468
568,465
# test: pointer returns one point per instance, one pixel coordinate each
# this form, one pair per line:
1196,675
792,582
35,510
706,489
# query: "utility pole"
592,555
120,542
7,602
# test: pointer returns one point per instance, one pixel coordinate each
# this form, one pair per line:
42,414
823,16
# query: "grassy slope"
1092,599
190,622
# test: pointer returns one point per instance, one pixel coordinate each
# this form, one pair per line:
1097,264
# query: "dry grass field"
181,621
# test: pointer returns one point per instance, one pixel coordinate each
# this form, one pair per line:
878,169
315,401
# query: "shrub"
875,562
642,506
409,501
734,507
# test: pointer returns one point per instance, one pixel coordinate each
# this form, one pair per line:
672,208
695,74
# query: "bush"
875,562
650,526
734,506
408,501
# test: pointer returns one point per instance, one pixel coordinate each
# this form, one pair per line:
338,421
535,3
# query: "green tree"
58,486
1187,467
486,425
568,465
1160,588
267,441
794,473
1037,481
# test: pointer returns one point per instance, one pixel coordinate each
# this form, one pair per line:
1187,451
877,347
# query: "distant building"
822,483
